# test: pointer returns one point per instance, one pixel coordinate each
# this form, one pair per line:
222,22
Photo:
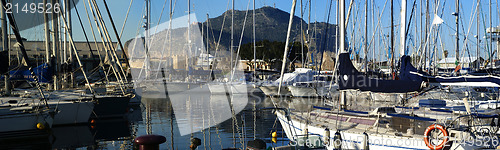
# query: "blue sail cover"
409,72
43,73
350,78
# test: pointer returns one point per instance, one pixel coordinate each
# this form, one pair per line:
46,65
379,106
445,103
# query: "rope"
216,128
125,21
239,45
88,43
254,121
220,36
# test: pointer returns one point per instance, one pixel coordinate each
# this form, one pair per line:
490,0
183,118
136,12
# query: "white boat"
321,86
70,108
352,130
272,90
299,75
231,87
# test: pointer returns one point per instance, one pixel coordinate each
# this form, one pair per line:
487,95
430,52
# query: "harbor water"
156,116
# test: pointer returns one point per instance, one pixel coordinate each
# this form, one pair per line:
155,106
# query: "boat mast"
342,26
255,48
301,34
70,49
478,34
309,34
491,42
189,39
232,38
5,47
392,40
283,64
208,52
456,14
366,36
55,46
146,41
402,39
47,34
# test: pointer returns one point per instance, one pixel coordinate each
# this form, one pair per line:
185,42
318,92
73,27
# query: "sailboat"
27,120
365,125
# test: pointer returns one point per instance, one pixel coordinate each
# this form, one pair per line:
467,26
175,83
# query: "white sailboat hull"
271,90
223,88
352,140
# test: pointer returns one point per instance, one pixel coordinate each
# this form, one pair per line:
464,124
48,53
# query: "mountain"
270,24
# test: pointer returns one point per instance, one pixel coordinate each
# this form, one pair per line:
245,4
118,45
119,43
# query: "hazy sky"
319,8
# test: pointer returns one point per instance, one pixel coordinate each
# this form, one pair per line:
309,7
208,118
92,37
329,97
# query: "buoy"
150,142
195,142
256,144
427,133
337,140
40,126
274,134
274,140
366,145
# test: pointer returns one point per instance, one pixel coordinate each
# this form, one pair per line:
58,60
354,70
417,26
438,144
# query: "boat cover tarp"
43,73
411,73
350,78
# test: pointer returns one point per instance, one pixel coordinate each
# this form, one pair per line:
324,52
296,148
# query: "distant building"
36,52
248,65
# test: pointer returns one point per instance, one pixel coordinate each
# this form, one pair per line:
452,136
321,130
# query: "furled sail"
350,78
411,73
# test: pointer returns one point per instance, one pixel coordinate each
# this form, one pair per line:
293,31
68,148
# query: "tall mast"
478,34
309,30
402,33
491,40
69,49
170,40
232,37
366,36
146,40
189,36
55,46
5,46
342,26
283,64
254,48
208,52
392,39
301,34
457,54
47,35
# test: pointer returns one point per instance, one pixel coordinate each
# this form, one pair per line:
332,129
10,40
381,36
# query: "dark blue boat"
350,78
409,72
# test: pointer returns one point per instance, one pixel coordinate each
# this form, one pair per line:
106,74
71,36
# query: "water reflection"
211,120
206,116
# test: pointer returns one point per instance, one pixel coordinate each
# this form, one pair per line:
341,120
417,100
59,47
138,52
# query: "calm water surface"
156,116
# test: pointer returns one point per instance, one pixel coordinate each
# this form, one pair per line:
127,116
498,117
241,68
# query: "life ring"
427,133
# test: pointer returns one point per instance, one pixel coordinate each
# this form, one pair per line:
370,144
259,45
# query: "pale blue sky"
318,13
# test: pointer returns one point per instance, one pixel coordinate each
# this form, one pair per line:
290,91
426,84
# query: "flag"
457,68
437,20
